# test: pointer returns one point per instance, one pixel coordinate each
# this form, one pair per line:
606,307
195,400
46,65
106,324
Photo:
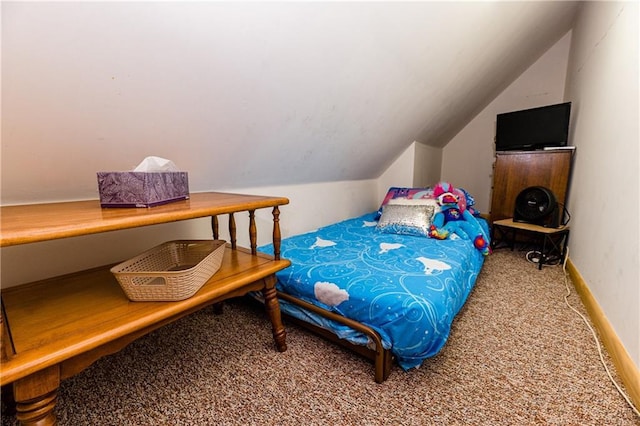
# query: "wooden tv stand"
55,328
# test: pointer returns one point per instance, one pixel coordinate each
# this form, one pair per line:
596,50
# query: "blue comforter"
407,288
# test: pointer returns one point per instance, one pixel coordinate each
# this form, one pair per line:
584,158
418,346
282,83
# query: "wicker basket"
172,271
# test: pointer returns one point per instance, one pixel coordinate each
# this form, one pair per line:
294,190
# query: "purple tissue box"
142,189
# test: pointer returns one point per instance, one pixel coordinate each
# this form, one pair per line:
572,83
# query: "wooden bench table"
55,328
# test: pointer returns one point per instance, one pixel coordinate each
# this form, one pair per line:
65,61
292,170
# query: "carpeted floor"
517,355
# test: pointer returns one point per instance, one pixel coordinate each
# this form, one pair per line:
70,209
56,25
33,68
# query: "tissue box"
141,189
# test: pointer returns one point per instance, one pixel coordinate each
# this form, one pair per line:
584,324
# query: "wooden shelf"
94,300
32,223
54,328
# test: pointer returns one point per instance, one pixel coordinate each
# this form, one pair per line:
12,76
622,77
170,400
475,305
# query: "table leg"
273,310
35,397
551,246
543,255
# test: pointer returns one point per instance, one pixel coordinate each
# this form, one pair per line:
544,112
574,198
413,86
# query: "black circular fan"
536,205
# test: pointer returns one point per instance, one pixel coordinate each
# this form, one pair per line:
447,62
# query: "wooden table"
55,328
551,241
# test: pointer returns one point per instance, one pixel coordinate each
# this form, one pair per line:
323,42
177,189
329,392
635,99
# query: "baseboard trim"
625,367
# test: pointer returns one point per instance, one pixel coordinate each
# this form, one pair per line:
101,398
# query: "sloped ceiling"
249,94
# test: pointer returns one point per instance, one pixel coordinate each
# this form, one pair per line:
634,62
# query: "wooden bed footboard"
382,357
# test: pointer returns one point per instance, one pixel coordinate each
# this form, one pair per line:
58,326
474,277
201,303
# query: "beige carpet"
517,355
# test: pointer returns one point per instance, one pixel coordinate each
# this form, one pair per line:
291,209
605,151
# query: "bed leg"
388,361
379,375
382,365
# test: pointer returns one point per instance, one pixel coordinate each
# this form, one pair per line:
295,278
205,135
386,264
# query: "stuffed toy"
455,218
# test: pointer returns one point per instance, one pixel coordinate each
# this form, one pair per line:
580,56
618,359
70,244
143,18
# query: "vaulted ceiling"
247,94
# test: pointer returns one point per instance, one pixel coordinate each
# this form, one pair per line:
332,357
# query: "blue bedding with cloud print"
407,288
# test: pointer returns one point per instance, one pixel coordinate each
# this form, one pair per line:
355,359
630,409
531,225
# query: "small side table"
552,241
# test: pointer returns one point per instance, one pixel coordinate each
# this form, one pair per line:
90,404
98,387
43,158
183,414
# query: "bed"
385,292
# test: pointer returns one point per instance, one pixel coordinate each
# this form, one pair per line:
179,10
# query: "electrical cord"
595,337
534,256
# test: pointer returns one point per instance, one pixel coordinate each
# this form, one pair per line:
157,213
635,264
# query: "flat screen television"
532,129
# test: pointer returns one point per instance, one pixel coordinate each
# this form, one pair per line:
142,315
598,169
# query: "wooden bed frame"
383,358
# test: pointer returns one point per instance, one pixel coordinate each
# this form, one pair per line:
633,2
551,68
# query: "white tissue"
156,164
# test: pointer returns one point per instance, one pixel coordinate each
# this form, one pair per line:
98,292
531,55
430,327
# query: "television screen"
532,129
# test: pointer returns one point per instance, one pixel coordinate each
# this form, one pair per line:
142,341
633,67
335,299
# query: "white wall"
229,90
602,81
399,173
418,166
468,158
427,165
